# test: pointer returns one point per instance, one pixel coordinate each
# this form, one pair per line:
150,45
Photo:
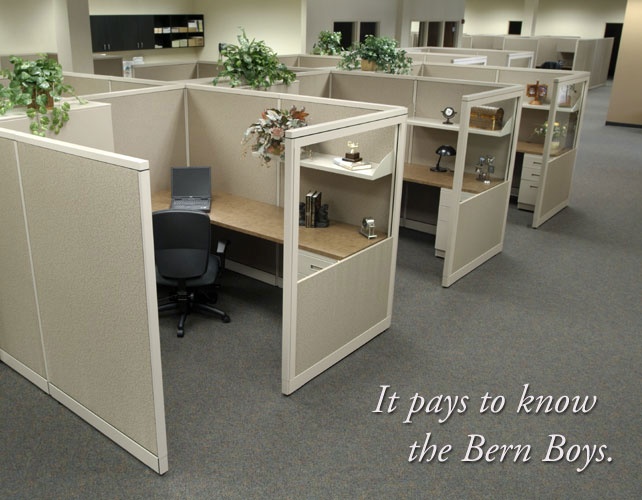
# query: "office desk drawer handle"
533,187
315,268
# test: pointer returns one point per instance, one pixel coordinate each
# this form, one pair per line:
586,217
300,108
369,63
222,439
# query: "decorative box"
487,117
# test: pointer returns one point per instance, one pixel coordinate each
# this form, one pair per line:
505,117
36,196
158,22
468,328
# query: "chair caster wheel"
180,333
226,319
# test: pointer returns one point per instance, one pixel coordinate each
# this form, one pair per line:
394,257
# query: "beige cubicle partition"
149,123
79,302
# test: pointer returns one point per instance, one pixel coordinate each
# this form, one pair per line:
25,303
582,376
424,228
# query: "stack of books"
312,206
352,165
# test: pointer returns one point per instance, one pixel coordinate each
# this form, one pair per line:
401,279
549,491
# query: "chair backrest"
551,65
181,243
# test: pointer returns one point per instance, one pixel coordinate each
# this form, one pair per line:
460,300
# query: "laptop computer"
191,188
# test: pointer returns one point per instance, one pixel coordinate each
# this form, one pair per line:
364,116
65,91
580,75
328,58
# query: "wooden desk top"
421,174
265,221
537,149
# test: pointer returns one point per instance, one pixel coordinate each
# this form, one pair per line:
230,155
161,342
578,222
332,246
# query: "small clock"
448,113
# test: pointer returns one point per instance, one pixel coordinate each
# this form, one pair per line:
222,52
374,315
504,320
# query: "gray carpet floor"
559,309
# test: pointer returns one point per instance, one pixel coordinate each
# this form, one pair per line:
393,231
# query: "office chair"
551,65
185,264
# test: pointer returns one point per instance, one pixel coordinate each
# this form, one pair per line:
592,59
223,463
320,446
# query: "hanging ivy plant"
39,86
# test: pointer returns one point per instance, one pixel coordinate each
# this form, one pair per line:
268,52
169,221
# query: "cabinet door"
99,33
145,28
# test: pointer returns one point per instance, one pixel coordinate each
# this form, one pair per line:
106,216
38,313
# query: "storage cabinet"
309,263
529,182
141,32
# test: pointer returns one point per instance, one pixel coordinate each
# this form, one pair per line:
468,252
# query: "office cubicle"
101,356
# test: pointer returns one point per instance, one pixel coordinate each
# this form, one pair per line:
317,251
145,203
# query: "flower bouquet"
268,131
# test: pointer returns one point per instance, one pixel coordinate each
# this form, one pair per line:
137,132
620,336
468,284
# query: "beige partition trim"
555,187
90,239
20,337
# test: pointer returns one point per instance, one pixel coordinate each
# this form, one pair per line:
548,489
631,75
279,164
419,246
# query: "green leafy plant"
39,86
268,131
252,63
382,51
328,44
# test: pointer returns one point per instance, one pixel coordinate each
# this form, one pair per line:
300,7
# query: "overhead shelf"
326,163
438,124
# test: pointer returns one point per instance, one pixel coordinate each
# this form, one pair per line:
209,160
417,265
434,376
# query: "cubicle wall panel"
327,301
556,187
19,327
165,72
89,125
125,84
85,224
480,226
433,96
350,199
217,122
375,88
151,125
86,85
314,84
457,72
425,142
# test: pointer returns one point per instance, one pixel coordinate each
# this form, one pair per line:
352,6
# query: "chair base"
186,302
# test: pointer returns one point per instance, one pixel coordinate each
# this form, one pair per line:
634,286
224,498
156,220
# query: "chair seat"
206,279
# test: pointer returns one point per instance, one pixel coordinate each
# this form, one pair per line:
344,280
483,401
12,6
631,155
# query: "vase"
367,65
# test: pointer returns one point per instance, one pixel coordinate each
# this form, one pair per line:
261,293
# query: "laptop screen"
191,181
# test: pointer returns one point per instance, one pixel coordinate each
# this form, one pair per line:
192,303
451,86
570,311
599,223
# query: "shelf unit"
325,162
440,125
544,170
116,33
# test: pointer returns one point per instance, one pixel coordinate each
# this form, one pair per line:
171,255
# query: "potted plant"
328,44
377,54
268,132
252,63
39,86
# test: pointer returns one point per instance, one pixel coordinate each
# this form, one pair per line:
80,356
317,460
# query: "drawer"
527,192
531,174
310,263
532,161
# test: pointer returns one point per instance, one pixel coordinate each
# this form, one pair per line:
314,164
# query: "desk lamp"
443,151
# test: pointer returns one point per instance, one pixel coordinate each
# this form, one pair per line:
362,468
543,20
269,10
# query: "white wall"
277,22
583,18
393,16
26,27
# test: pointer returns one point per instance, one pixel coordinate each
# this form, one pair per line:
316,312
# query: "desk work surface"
421,174
265,221
537,149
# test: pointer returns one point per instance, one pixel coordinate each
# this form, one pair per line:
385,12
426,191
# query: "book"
352,165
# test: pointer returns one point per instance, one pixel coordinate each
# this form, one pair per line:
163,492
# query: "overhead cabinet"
123,32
